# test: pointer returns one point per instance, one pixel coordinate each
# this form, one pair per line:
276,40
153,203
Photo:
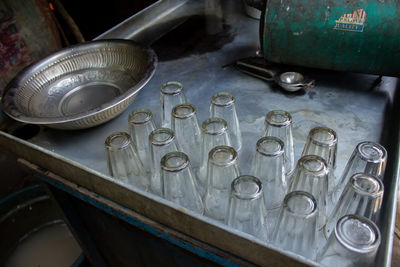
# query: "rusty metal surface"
358,36
27,33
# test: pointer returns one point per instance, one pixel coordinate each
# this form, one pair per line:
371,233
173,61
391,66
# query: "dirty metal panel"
358,36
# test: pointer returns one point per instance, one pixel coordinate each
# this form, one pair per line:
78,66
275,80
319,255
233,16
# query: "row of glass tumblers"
278,202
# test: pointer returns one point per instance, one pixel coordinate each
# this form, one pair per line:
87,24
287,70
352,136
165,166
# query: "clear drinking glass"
141,124
311,175
246,210
171,95
178,182
187,130
123,161
223,106
322,141
162,141
367,157
297,225
362,196
268,166
215,133
222,170
278,123
354,242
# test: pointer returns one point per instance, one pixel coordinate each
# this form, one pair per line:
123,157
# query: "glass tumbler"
141,124
363,196
246,210
187,130
367,157
123,161
278,123
171,95
178,182
223,106
311,176
162,141
215,133
268,166
222,170
297,224
322,141
354,242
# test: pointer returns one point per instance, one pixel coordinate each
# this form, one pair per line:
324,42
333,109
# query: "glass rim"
169,155
322,171
270,138
317,142
140,110
358,248
111,137
377,146
178,116
242,195
378,192
216,96
213,120
228,149
314,206
269,120
163,142
177,91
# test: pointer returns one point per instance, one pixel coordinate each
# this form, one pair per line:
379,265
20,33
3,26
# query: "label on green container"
352,21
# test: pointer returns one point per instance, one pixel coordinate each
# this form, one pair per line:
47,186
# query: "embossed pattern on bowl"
81,86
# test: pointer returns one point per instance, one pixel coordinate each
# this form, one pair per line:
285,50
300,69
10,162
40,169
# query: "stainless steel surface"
81,86
153,21
351,104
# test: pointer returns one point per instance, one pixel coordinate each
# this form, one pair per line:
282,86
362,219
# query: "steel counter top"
206,38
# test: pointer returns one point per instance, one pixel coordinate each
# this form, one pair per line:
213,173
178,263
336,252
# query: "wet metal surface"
353,105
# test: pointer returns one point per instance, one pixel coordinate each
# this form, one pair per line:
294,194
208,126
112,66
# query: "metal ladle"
290,81
293,81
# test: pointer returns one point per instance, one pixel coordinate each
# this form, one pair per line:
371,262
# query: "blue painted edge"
78,262
145,227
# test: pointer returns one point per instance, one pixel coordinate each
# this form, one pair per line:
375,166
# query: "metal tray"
205,37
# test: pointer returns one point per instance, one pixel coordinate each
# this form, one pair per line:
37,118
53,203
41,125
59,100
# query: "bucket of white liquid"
33,232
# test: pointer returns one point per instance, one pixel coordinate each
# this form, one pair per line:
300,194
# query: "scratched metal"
351,104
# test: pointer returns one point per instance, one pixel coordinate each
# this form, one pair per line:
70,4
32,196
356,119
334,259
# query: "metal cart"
121,226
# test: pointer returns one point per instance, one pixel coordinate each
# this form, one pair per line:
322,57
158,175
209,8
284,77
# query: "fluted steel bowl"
81,86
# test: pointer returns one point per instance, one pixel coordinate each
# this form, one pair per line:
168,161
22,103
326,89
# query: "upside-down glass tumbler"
223,106
278,123
188,133
297,225
222,170
172,94
268,166
367,157
141,124
311,176
362,196
354,242
123,161
162,141
246,210
214,133
322,141
178,182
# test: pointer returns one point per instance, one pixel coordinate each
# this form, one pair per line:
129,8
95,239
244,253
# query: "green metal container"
348,35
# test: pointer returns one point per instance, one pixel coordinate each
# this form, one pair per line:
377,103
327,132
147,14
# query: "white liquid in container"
51,246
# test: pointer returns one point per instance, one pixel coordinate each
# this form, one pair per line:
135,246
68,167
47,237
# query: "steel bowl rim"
8,101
